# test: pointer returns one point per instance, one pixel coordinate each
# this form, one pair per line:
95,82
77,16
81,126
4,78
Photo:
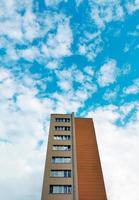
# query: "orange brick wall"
89,173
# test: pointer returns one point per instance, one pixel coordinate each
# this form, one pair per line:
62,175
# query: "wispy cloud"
110,95
132,89
54,2
90,45
103,12
22,27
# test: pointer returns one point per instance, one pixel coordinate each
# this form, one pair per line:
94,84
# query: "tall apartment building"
73,169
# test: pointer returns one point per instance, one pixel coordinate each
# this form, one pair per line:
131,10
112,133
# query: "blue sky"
63,56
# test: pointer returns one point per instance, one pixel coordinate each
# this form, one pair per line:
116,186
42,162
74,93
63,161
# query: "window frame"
61,119
62,128
53,160
63,189
60,149
64,173
62,137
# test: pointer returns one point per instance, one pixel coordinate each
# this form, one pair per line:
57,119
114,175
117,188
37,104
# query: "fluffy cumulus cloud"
108,73
119,150
22,156
15,25
58,45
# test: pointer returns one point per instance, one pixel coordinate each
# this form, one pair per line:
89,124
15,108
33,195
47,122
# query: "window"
61,160
62,128
62,119
60,189
62,137
62,147
60,173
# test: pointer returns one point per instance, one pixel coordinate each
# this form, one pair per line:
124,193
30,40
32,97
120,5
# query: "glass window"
62,147
60,189
60,173
62,128
62,137
62,119
61,159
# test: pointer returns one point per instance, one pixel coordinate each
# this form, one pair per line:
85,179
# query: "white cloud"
10,29
119,149
54,2
127,108
65,84
64,79
22,26
31,26
14,25
68,77
89,70
132,6
86,91
74,96
66,101
110,95
108,73
58,45
103,12
82,49
134,33
22,125
132,89
90,45
29,53
53,64
78,2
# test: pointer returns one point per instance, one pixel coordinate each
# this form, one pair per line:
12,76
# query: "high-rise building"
73,169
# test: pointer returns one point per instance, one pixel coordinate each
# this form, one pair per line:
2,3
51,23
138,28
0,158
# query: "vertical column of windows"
61,173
